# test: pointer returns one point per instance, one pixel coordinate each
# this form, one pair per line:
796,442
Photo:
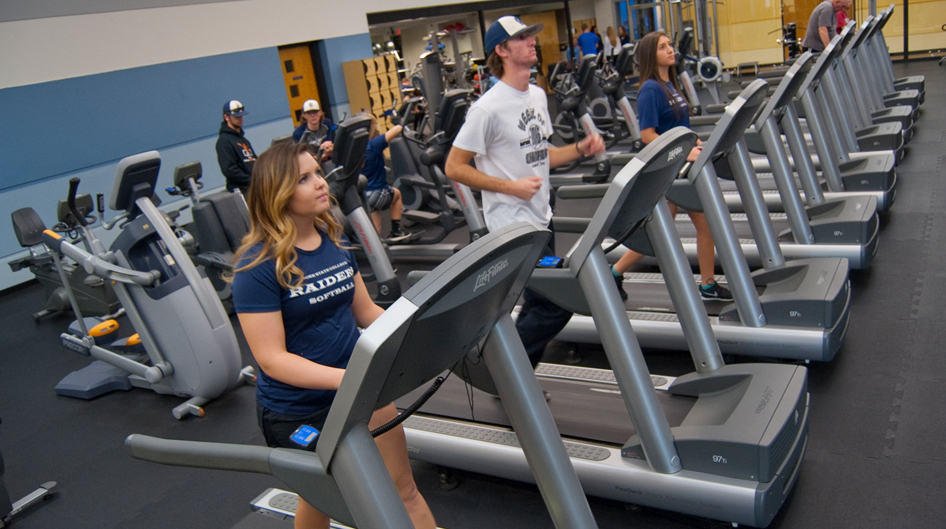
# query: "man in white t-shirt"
506,133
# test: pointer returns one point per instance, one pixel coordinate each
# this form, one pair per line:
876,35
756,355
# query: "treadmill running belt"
582,410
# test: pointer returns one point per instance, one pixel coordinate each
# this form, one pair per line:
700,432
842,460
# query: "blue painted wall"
50,132
53,128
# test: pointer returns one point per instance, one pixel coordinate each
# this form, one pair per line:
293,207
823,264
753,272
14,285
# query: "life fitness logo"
674,153
487,275
363,236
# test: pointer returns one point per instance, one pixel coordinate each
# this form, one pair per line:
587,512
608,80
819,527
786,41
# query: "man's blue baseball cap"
234,108
506,28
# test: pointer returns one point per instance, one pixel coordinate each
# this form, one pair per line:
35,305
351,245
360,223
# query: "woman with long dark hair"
300,300
661,107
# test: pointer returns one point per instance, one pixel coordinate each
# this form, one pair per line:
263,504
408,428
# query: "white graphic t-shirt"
508,131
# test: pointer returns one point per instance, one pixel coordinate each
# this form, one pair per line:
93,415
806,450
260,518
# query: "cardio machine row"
700,476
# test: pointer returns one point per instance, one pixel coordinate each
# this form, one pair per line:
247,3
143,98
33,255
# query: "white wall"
582,11
48,49
604,15
413,43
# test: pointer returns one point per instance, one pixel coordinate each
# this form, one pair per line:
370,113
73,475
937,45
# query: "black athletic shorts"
277,427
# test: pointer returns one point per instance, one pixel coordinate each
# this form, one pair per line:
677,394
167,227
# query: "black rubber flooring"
877,434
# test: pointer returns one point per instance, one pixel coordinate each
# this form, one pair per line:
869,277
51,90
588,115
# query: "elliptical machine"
351,141
624,124
425,188
190,349
574,121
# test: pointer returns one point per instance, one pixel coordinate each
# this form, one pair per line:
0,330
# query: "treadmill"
881,97
857,66
881,61
845,226
862,133
890,129
863,172
796,309
724,442
867,127
871,173
458,307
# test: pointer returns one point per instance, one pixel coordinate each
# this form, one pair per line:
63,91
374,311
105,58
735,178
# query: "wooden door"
299,77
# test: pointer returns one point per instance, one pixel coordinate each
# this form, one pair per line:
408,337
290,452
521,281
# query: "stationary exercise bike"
220,222
184,344
94,296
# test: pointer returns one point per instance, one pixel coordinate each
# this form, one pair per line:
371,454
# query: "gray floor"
875,457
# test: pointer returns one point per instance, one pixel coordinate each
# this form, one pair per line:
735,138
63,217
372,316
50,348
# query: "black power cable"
384,428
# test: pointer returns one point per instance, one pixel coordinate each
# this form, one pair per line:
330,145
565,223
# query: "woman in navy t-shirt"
300,301
661,107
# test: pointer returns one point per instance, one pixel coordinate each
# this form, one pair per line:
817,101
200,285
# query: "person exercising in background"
612,46
506,133
588,41
234,152
574,54
623,36
822,24
315,129
379,195
662,107
599,46
301,300
842,20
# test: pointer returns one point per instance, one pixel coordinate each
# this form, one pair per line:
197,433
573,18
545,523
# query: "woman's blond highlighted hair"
274,180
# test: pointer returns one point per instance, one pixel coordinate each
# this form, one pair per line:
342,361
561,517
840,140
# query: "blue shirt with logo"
317,317
655,110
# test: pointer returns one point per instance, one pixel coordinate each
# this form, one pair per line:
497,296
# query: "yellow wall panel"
927,17
754,35
928,41
926,20
760,56
748,32
753,10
